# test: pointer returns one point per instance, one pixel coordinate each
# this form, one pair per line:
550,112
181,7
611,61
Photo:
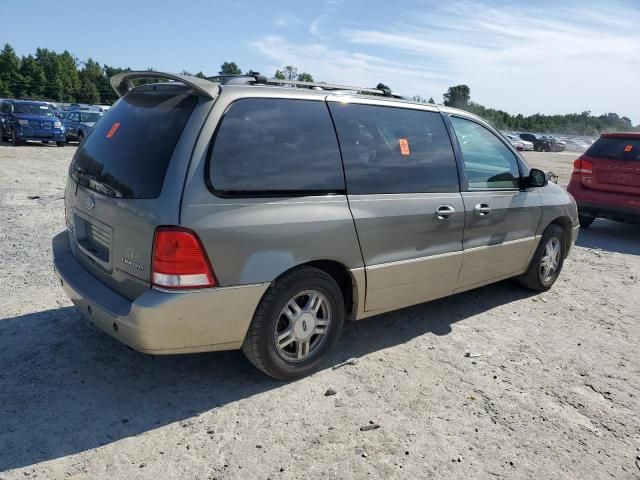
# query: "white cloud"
519,58
287,20
339,66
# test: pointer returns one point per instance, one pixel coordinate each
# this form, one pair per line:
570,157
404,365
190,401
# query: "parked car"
520,144
210,217
576,145
542,143
101,108
606,179
79,123
22,120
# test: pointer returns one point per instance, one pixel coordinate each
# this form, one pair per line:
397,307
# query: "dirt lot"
554,392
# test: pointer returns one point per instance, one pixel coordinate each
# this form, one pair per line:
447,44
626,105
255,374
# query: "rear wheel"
61,144
585,221
547,261
296,325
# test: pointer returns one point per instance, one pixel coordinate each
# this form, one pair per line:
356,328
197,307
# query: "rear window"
394,150
128,152
268,146
626,149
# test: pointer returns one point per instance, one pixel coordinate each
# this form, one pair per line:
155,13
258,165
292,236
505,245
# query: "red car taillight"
179,260
584,167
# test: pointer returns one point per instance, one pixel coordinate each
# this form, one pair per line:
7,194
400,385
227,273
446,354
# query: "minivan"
606,179
262,214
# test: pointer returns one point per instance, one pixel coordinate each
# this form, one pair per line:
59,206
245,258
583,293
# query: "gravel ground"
551,388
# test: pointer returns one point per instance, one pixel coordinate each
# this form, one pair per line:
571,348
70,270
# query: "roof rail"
254,78
122,82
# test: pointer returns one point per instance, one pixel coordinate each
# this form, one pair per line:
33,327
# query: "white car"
520,144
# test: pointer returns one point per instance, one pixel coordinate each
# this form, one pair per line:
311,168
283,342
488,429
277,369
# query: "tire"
536,278
270,323
80,138
14,139
61,144
585,221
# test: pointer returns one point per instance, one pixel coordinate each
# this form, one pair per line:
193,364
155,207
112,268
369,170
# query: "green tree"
229,68
305,77
382,86
457,97
10,69
287,73
33,77
88,92
431,100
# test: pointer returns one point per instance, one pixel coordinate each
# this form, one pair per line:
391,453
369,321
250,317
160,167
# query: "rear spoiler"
122,82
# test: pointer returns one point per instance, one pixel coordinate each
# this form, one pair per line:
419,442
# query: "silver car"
259,214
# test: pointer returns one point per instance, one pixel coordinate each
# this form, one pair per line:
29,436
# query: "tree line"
62,77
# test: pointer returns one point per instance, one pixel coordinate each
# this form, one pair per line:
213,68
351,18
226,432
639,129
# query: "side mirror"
536,178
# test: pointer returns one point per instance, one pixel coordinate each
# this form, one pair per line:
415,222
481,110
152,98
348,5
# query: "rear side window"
270,146
129,150
394,150
625,149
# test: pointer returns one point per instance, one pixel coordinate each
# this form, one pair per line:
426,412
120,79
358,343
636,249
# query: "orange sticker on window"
113,129
404,146
628,148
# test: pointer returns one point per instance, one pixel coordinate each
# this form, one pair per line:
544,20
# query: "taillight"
179,260
584,167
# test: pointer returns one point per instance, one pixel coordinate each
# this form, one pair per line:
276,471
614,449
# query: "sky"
524,57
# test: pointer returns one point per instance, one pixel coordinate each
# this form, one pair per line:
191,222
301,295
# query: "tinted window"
488,162
128,153
394,150
268,145
626,149
33,109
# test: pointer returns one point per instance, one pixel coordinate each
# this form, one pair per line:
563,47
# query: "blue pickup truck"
22,120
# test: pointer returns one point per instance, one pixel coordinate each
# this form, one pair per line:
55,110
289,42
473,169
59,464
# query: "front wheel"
547,261
14,138
80,138
296,325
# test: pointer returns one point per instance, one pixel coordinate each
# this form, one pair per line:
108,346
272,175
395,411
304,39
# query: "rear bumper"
619,214
159,322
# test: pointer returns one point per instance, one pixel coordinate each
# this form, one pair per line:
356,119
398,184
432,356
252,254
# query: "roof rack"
254,78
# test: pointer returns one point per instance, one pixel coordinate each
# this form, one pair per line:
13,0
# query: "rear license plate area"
94,239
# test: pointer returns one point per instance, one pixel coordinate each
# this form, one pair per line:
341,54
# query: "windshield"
90,116
32,109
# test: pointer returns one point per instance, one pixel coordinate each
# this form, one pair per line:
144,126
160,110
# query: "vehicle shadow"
68,387
612,236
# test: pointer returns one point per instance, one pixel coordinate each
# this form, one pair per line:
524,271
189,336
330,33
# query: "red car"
606,179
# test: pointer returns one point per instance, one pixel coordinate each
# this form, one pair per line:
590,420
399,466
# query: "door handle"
481,209
445,211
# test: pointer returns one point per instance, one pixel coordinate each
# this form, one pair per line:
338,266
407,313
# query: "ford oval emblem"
90,203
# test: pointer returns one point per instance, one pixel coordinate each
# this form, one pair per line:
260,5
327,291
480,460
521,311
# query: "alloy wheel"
302,326
550,259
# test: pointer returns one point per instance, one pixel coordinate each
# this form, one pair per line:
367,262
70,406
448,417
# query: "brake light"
584,167
179,260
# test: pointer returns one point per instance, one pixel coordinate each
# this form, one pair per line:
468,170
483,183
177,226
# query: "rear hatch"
126,179
612,164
